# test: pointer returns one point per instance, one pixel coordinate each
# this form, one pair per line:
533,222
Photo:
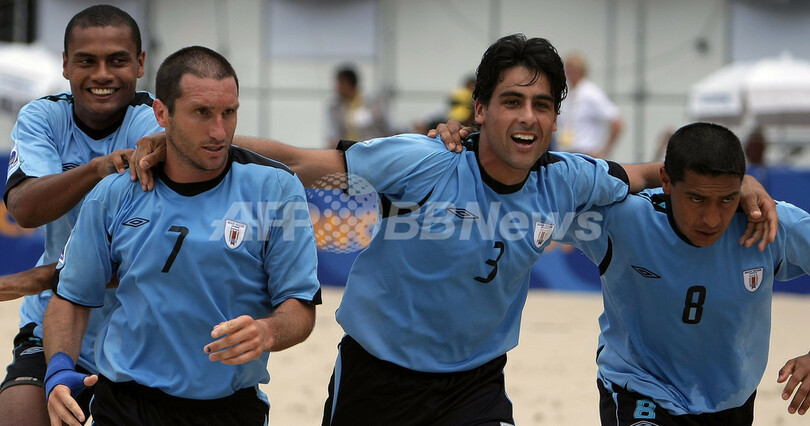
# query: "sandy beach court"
550,376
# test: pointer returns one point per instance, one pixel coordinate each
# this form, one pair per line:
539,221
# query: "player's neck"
499,170
180,170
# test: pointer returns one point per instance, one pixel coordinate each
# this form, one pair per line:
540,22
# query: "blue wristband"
62,371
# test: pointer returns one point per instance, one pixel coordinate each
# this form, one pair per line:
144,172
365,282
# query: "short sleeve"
795,229
35,153
291,260
403,167
85,266
594,182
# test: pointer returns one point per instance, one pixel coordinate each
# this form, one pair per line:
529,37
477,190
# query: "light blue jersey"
48,139
686,326
441,289
189,256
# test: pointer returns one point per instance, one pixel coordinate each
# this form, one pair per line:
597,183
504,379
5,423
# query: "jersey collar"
94,133
195,188
663,202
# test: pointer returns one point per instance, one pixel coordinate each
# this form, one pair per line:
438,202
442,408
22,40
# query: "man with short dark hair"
217,268
686,326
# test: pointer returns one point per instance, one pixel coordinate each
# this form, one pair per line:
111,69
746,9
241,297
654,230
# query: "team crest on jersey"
752,278
13,158
234,233
542,232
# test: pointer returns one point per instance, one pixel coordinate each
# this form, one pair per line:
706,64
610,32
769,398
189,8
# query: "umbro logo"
646,273
31,351
136,222
462,213
69,166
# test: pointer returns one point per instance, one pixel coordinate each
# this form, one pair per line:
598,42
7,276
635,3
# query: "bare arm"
309,164
63,327
26,283
244,339
644,175
289,325
37,201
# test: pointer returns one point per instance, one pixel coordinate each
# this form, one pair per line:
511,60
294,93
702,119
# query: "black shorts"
376,392
637,409
132,404
28,366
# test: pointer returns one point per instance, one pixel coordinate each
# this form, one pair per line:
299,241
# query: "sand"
550,376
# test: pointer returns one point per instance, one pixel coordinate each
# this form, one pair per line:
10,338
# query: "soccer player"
63,145
433,304
217,267
687,311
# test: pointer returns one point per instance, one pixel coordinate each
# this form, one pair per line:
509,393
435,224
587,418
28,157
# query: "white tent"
768,91
28,72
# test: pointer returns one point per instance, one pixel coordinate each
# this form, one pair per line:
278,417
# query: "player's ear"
65,66
141,60
480,108
666,182
161,112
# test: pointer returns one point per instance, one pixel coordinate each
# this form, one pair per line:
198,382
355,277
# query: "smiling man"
64,144
434,302
429,315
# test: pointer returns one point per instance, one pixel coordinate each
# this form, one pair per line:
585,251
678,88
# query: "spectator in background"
461,103
351,115
589,122
458,106
755,147
755,155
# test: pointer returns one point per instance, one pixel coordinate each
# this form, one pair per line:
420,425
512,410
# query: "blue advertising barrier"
559,268
19,248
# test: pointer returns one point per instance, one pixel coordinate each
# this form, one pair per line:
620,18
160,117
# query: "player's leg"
620,407
23,404
22,395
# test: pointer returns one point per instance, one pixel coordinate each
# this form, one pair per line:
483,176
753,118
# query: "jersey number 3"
493,263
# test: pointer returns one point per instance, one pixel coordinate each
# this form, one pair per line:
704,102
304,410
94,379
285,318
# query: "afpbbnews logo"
352,229
438,221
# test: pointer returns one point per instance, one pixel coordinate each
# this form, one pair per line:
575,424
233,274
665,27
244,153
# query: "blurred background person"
457,106
589,122
755,146
461,103
353,116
